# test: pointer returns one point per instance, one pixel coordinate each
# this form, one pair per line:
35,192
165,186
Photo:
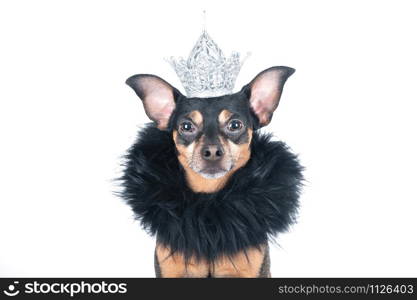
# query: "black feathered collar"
260,199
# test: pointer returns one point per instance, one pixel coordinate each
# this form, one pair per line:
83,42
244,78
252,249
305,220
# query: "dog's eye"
187,127
234,125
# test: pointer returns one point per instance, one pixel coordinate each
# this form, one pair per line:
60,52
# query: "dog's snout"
212,152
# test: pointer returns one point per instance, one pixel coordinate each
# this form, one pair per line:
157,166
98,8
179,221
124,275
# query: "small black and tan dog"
212,137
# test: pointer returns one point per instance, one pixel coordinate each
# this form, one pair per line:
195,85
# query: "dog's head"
212,135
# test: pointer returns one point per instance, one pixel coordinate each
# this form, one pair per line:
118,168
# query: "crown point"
204,21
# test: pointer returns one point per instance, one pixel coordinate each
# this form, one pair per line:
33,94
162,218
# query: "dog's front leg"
250,263
169,265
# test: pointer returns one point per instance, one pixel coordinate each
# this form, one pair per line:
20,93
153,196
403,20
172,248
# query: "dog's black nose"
212,152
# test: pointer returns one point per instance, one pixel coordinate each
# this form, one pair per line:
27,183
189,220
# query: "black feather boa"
260,199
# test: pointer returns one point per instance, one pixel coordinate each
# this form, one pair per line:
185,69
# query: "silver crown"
206,72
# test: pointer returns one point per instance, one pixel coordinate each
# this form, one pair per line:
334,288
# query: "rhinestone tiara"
207,72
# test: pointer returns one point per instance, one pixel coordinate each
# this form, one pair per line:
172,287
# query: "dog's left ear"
265,90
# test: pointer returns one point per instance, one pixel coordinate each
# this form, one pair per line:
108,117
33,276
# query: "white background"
66,118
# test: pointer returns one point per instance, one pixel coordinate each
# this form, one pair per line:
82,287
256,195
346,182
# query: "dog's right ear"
157,95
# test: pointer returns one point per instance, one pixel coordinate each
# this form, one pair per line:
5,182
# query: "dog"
212,138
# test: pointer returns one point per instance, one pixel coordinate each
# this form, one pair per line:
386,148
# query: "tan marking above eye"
224,116
196,117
